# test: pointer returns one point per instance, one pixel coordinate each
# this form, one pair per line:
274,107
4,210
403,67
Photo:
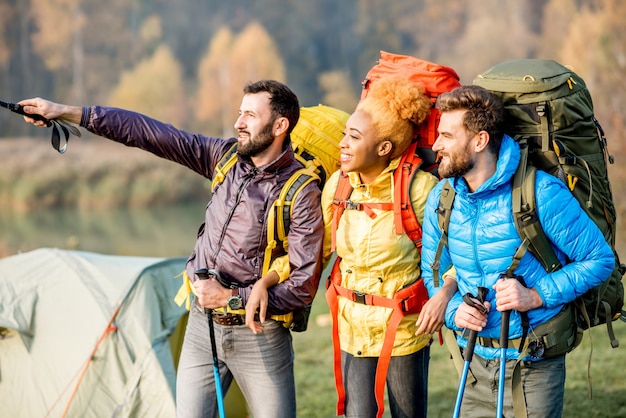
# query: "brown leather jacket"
233,236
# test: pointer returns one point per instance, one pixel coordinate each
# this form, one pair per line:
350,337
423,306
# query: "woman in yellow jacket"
374,260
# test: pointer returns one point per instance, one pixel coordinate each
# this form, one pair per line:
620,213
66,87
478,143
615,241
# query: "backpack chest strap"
368,208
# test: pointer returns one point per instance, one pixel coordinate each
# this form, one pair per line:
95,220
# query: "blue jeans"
407,384
261,364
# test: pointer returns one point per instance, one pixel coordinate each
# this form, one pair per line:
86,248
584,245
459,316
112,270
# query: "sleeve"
576,238
430,242
197,152
281,266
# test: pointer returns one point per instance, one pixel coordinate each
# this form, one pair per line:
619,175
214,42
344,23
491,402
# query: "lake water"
158,232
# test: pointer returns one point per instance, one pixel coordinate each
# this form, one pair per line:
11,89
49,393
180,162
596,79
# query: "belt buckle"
536,349
222,313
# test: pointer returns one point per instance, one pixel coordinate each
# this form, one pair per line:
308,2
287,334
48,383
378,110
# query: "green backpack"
550,113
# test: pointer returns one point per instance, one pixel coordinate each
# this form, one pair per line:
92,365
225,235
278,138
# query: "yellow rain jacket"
374,260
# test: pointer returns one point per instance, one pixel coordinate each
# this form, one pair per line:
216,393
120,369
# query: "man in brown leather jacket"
232,242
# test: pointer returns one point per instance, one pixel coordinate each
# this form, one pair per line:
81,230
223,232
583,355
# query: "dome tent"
88,334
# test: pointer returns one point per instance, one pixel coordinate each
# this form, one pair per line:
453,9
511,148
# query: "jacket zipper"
248,178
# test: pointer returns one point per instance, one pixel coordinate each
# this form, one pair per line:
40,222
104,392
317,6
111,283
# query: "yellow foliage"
154,87
58,21
231,62
214,78
337,91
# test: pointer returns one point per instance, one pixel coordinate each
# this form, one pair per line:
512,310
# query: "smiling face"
255,125
454,145
361,150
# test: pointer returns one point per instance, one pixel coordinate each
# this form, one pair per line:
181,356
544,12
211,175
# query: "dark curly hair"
485,112
283,101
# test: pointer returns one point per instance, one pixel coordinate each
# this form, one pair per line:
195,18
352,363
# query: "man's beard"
458,165
257,144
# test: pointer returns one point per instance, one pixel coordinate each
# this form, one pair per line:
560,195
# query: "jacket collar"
380,182
508,160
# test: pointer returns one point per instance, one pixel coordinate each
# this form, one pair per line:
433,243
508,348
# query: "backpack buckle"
359,297
349,204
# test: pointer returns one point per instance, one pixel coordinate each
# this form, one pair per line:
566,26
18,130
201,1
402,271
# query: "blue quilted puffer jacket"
483,239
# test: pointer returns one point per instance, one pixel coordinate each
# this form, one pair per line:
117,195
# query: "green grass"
316,392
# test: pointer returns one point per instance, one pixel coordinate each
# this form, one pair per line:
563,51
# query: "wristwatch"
234,301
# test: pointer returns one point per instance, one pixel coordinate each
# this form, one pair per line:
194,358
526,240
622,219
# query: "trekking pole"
203,274
469,348
504,345
56,124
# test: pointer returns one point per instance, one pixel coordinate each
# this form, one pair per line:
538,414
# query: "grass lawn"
316,392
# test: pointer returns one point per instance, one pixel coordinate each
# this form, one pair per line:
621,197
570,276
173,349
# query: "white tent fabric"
89,334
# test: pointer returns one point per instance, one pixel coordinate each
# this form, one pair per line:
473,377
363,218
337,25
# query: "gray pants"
543,382
261,364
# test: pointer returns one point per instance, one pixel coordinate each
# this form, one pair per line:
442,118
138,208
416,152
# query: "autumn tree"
254,56
213,101
84,44
231,62
337,91
595,46
154,87
6,14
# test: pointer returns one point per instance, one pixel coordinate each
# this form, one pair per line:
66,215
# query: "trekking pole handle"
506,315
17,108
203,274
478,303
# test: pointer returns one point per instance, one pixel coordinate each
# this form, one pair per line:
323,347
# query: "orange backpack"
436,79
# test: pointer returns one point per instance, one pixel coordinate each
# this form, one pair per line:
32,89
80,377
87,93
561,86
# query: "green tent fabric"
88,334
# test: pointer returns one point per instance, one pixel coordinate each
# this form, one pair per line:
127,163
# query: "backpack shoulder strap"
404,213
279,215
444,210
526,216
340,201
405,218
223,165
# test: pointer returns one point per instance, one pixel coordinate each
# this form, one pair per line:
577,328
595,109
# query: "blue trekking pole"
203,274
469,348
504,345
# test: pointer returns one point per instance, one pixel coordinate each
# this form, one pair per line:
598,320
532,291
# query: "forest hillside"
185,62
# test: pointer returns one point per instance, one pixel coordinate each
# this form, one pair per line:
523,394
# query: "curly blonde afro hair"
396,106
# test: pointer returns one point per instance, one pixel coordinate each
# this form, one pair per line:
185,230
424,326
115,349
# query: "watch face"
234,303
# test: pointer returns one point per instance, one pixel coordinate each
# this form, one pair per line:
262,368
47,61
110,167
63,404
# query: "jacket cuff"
84,119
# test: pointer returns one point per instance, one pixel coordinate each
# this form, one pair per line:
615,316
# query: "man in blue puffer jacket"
480,161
